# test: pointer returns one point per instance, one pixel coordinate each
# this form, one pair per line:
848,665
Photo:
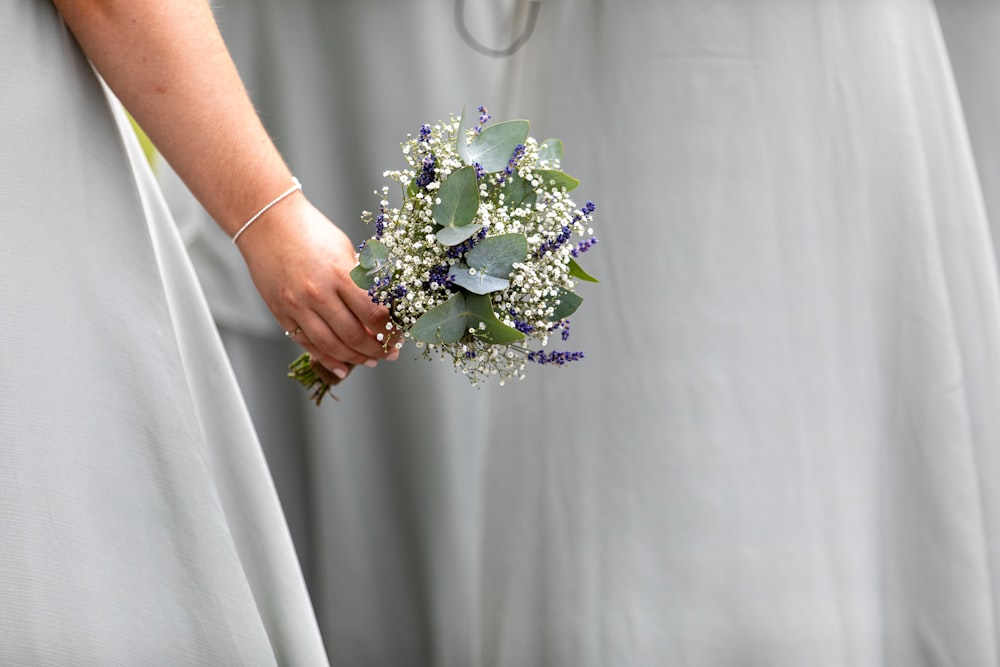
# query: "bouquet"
478,264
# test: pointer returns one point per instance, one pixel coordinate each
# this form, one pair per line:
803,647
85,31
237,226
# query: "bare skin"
166,61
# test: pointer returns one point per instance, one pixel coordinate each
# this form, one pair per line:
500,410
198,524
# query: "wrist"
293,190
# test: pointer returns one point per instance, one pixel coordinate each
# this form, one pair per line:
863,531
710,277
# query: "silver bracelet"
296,186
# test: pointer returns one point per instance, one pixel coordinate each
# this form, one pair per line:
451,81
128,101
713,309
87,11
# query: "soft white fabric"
781,448
138,522
339,85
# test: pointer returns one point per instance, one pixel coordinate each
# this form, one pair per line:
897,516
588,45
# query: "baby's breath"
424,269
523,196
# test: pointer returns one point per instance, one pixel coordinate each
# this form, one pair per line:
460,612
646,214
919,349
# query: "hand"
300,263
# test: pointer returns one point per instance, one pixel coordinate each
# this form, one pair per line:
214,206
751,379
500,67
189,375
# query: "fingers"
338,337
304,276
335,336
375,319
335,366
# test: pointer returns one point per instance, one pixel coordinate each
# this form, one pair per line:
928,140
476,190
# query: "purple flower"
426,175
519,324
584,246
552,244
440,274
378,285
484,117
555,358
508,171
457,251
564,326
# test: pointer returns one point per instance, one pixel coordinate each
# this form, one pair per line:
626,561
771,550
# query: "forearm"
167,62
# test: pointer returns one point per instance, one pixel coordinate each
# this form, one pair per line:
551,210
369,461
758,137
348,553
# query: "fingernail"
340,372
393,355
371,363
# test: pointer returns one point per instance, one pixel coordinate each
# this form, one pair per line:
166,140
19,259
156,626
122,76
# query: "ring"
293,334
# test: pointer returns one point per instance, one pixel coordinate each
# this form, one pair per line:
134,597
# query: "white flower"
408,232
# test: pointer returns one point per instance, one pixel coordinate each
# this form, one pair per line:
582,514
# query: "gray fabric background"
781,448
138,522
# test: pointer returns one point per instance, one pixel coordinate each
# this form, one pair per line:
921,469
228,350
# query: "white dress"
380,524
138,522
781,448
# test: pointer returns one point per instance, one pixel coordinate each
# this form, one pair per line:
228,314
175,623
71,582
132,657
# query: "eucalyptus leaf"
411,190
477,282
480,311
362,277
495,145
550,149
553,178
373,255
459,199
446,323
577,271
565,303
515,190
496,255
450,236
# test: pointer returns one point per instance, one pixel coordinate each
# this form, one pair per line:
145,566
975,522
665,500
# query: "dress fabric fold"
793,357
781,447
138,521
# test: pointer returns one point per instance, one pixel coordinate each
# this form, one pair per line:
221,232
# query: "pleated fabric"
138,521
780,449
795,350
375,486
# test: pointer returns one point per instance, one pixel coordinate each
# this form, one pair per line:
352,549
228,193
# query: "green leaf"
577,271
489,264
477,282
566,303
446,323
495,145
480,309
550,149
411,190
461,141
515,190
553,178
362,277
373,255
371,260
450,322
454,235
496,255
459,200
